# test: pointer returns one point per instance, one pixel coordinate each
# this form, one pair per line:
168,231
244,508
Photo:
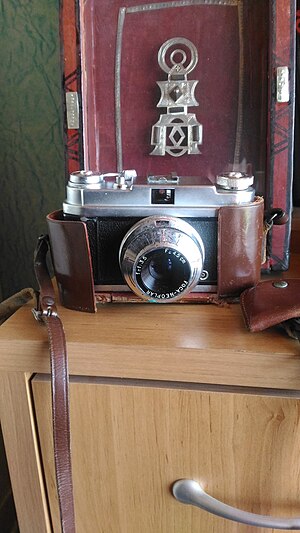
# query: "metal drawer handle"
190,492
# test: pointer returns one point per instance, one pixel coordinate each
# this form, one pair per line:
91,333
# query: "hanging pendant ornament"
177,132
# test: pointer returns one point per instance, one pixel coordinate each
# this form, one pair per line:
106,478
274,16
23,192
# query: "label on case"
283,85
72,110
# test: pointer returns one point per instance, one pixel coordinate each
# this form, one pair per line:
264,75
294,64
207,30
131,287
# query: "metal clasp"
45,308
72,108
283,85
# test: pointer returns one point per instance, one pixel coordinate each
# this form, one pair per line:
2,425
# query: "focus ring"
161,258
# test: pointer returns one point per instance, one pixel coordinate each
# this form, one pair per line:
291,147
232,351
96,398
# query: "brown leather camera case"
239,258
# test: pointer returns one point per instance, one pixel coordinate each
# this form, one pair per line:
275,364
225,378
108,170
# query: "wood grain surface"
22,450
130,443
192,343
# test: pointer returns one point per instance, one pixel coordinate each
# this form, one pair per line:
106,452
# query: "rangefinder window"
163,196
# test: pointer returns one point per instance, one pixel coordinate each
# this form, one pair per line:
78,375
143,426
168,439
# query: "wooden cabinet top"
193,343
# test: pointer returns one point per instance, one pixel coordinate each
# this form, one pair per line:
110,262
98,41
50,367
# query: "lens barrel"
161,258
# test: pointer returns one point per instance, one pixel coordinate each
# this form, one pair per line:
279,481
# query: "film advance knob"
86,177
238,181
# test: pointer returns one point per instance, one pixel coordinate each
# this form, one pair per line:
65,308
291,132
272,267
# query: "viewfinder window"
162,196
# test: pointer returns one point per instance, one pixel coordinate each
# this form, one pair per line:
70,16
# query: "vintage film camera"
158,239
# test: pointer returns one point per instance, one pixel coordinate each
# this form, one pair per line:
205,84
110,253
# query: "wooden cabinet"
131,441
157,394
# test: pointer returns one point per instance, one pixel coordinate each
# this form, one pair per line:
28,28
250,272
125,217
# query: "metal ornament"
177,132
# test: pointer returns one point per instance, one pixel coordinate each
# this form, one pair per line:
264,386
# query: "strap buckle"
45,308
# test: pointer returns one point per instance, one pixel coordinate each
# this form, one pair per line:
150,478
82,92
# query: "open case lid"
246,102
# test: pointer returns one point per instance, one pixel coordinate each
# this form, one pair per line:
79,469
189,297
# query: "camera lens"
163,273
161,258
160,268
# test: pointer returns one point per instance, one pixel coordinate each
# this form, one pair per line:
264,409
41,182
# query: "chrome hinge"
72,107
282,84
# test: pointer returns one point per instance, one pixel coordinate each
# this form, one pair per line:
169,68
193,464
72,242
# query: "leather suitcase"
245,90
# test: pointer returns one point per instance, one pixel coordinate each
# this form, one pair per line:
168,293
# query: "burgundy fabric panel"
239,247
217,110
232,44
267,305
214,29
72,262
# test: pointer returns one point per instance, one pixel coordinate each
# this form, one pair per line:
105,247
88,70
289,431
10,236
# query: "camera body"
161,238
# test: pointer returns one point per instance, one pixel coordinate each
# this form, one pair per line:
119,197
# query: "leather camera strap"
47,313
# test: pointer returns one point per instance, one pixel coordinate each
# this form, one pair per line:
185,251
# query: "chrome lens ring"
161,258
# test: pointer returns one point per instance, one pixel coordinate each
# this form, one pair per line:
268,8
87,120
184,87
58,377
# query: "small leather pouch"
271,303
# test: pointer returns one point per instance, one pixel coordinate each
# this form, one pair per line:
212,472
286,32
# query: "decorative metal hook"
177,132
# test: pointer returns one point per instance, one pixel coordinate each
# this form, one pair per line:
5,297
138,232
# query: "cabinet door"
131,441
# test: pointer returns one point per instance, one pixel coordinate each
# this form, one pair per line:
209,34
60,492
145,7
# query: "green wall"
31,136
